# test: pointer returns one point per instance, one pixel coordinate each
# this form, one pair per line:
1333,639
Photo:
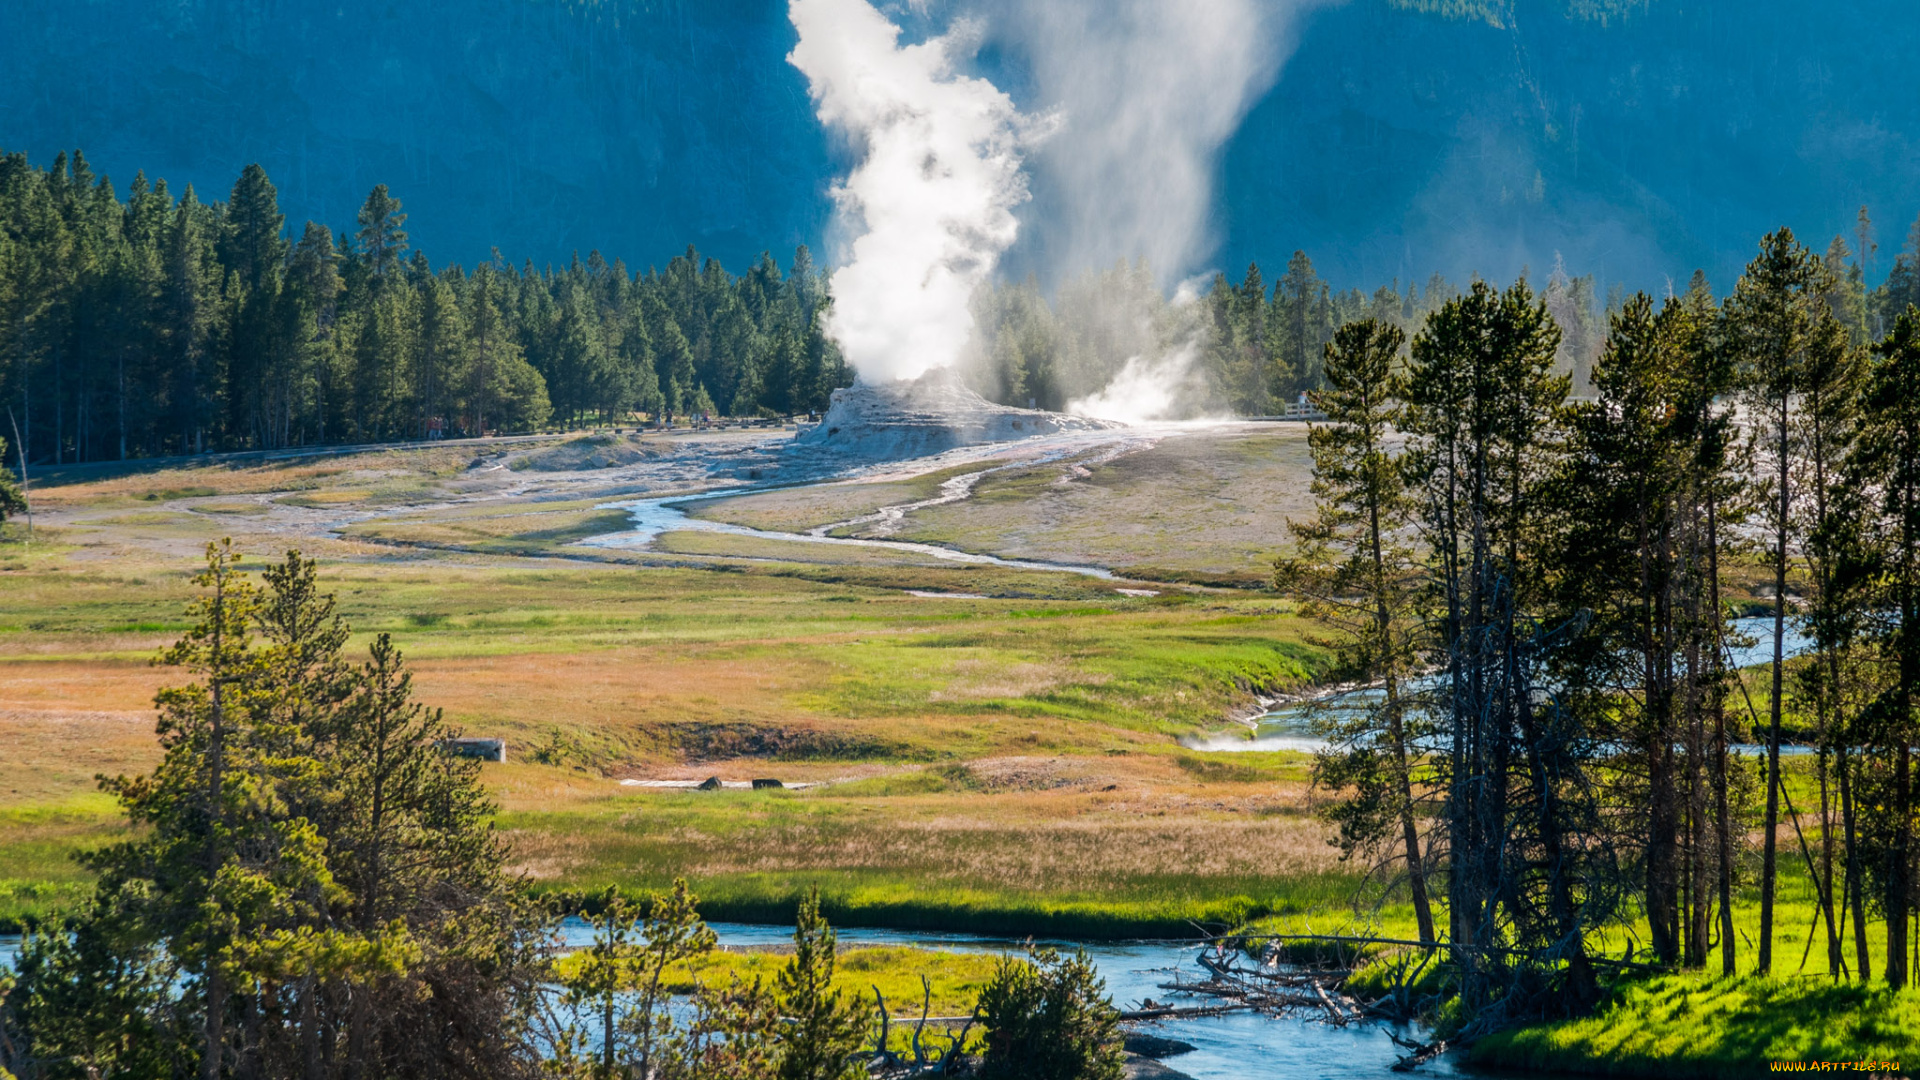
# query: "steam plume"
1149,91
933,194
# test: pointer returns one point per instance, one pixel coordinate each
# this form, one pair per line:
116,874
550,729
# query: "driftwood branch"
926,1007
955,1053
880,1050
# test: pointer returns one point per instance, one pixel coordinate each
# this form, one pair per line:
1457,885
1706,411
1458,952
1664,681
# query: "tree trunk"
216,1030
1902,863
1383,626
1767,867
1716,699
1416,868
1855,893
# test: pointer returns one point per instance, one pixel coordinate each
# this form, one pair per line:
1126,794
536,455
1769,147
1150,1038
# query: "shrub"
1047,1017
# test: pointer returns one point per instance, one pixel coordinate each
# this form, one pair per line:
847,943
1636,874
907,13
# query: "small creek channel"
653,517
1236,1046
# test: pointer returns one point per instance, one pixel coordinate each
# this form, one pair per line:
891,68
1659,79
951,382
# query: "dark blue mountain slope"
1666,136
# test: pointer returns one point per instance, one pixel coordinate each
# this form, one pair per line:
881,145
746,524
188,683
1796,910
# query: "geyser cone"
916,417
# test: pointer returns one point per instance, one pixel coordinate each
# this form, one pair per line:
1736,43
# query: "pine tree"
1775,317
258,348
1886,470
251,243
442,359
313,296
823,1040
381,240
1355,564
313,881
501,390
1636,550
1482,401
188,323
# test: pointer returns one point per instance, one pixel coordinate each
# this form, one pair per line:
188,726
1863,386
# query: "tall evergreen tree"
1775,317
1355,562
1886,468
1482,402
382,241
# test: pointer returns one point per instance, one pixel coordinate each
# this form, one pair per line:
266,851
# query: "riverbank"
1702,1026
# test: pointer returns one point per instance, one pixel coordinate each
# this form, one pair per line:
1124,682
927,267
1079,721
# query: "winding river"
1237,1046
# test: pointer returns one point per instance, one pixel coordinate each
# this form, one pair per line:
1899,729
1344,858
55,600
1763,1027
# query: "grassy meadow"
1005,763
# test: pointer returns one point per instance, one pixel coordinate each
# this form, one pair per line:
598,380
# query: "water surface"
1237,1046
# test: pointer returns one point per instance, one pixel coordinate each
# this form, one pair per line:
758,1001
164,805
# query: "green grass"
956,978
869,975
1695,1025
936,849
38,871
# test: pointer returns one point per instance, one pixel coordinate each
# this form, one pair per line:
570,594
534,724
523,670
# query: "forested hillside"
540,126
163,325
157,324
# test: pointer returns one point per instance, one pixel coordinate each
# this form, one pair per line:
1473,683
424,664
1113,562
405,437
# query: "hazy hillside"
1466,137
536,125
1667,136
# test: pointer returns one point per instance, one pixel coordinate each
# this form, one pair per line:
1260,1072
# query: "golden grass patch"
54,754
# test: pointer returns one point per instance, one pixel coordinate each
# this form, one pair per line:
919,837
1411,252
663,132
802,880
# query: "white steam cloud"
1137,97
1147,388
1148,91
933,194
1159,383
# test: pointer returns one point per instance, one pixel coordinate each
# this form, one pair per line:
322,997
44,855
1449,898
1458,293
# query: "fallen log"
1169,1012
1339,1015
1422,1053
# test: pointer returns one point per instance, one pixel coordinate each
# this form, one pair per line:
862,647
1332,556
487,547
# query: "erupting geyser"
1140,93
930,203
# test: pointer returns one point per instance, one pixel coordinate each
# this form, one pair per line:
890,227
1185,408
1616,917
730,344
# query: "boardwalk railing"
1299,410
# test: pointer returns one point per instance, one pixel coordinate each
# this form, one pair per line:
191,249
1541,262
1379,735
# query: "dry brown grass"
1069,824
975,679
136,482
79,686
53,754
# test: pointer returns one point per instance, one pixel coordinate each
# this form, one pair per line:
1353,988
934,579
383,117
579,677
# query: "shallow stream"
1292,726
1237,1046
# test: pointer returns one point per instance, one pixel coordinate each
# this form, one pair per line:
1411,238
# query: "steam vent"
917,417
